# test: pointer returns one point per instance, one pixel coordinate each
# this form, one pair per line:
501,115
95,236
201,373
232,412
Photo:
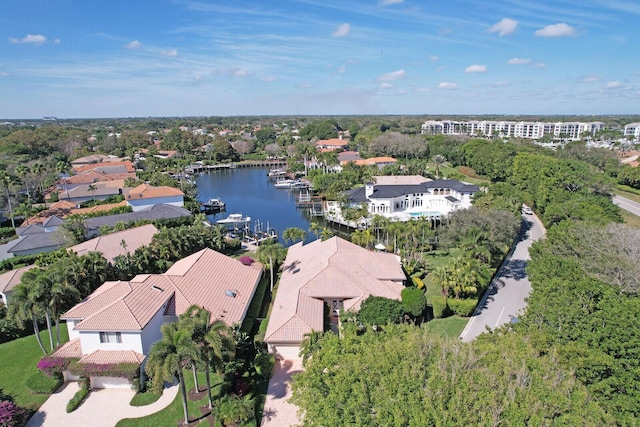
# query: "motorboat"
283,183
275,173
299,183
214,203
235,220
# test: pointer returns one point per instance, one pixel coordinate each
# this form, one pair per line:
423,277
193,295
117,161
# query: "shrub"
7,232
264,364
417,282
118,370
413,300
52,366
439,304
38,382
77,399
247,260
11,415
463,307
380,311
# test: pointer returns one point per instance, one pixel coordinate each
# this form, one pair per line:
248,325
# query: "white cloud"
342,69
556,30
56,41
386,86
240,73
268,79
591,78
615,84
518,61
393,75
342,30
388,2
133,45
29,39
433,58
504,27
475,69
172,53
447,85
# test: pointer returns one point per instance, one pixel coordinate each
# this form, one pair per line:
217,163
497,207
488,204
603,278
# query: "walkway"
103,407
278,412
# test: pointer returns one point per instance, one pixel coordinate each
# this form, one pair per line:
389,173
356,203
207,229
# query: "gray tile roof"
44,241
357,195
154,212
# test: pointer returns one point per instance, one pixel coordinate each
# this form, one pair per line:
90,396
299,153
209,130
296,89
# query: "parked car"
526,210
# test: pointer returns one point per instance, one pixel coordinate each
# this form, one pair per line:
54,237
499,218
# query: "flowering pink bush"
247,260
119,370
53,365
11,415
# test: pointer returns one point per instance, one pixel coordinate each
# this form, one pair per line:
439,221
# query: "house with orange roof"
377,161
332,144
145,195
121,320
333,273
121,166
90,177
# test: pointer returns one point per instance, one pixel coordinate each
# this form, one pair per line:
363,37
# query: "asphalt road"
506,295
627,205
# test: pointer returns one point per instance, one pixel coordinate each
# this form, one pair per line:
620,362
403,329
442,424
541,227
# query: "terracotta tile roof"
105,357
146,191
113,167
333,142
110,245
10,279
92,176
71,348
92,158
333,269
205,278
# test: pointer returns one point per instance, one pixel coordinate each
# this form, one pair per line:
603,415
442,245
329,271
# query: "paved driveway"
103,407
278,412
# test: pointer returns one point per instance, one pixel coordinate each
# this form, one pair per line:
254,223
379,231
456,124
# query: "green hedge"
439,304
77,399
40,383
7,232
462,307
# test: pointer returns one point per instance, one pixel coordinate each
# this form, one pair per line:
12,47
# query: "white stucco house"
401,198
120,321
144,196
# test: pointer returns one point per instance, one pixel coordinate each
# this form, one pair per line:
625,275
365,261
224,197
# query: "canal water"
248,191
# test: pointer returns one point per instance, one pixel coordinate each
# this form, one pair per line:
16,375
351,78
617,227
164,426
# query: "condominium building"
521,129
632,129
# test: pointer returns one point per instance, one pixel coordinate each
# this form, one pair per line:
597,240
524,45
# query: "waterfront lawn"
19,360
449,327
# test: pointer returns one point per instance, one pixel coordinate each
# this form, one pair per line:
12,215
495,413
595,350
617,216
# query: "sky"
142,58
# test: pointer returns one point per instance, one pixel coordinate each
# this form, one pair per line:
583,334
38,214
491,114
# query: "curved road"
627,205
506,295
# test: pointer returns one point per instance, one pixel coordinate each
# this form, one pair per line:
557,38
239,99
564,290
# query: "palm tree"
92,188
23,172
309,345
165,360
271,253
6,182
294,233
62,168
326,234
439,160
306,150
63,294
25,306
234,409
315,228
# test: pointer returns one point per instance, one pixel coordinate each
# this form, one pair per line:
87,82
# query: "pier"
197,168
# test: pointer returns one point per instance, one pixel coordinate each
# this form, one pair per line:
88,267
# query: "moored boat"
283,183
235,220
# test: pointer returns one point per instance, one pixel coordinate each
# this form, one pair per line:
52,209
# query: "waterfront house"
333,273
332,144
144,196
151,213
403,200
120,321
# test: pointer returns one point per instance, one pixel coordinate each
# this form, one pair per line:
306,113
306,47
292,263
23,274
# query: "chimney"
368,189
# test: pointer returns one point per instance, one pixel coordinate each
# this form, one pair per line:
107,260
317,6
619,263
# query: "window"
110,337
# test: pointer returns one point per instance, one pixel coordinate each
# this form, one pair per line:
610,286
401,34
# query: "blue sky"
89,58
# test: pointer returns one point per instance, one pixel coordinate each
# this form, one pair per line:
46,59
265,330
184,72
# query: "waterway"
248,191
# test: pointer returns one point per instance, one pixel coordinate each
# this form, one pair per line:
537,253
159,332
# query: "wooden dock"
197,168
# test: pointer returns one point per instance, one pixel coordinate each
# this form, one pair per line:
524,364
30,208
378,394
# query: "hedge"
439,304
77,399
118,370
462,307
38,382
7,232
52,366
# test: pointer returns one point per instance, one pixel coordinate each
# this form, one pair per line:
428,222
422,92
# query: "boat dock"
313,203
197,168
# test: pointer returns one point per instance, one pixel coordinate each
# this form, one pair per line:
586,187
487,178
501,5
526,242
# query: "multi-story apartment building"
504,128
632,129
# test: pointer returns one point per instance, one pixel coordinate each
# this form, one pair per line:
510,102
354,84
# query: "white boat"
235,220
214,203
274,173
299,183
283,183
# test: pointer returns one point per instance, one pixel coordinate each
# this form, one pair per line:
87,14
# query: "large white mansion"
530,130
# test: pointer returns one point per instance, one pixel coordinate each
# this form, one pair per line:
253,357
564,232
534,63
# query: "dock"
197,168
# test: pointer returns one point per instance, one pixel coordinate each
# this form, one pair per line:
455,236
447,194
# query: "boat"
283,183
299,183
214,203
235,220
275,173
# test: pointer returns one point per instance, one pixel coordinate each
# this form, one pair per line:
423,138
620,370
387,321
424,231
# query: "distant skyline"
79,59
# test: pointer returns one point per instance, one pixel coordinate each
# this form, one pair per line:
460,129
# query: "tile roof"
202,278
43,240
106,357
71,348
65,208
92,176
387,191
110,245
107,167
333,269
102,188
146,191
10,279
333,142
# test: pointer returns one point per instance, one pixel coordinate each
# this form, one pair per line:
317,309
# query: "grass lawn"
449,327
19,360
435,259
143,399
630,219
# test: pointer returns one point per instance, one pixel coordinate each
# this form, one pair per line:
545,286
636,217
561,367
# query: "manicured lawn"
143,399
449,327
436,259
19,359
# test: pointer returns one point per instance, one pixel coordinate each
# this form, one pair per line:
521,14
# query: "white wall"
285,351
70,325
151,333
90,341
110,382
